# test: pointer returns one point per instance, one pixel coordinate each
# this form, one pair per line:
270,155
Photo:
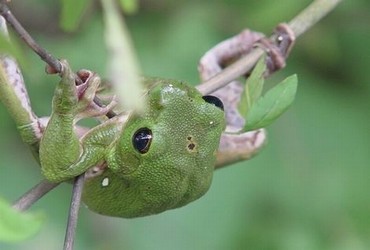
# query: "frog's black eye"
142,139
214,100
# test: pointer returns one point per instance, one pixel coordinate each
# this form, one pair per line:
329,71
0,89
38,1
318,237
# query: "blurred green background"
308,189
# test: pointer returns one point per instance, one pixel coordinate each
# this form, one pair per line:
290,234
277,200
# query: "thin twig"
73,212
33,195
45,56
43,53
299,24
311,15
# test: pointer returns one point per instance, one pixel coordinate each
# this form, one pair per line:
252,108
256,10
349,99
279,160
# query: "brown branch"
33,195
54,64
23,34
313,13
299,24
73,212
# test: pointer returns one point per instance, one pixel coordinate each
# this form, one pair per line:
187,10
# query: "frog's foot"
238,147
86,91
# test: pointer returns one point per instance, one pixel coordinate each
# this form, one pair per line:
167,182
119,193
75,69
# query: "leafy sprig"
260,111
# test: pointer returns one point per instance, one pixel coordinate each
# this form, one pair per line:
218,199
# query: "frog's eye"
214,100
142,139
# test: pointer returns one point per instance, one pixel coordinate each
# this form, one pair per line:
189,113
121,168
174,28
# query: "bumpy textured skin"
176,170
179,165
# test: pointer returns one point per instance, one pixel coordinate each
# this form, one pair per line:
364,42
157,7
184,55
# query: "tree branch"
313,13
44,55
73,212
38,191
299,24
54,64
33,195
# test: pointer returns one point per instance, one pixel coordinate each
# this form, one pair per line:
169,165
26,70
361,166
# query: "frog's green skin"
176,169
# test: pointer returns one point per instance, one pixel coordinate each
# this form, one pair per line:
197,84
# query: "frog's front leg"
233,147
63,155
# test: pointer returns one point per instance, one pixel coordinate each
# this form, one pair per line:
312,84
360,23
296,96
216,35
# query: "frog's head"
165,157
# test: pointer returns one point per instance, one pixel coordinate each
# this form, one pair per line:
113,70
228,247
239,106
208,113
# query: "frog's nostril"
214,100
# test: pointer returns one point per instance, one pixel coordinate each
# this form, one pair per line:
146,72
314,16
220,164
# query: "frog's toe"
95,110
86,89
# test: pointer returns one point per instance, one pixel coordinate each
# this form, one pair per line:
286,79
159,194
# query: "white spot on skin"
105,182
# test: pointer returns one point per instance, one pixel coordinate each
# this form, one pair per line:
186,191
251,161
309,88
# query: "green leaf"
129,6
72,12
17,226
253,87
274,103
